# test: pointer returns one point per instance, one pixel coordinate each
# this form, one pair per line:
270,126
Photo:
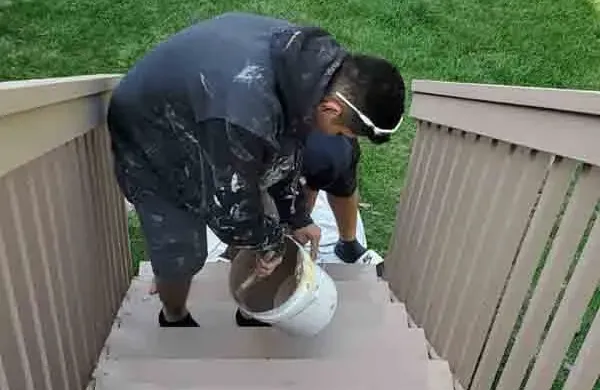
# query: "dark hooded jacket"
215,118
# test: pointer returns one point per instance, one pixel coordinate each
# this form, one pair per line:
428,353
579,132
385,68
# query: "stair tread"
233,342
357,373
220,270
218,290
439,375
136,332
143,314
348,272
363,303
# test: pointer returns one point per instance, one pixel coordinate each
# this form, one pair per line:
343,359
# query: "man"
213,121
330,165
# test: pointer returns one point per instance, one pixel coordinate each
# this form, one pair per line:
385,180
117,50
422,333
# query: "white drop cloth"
322,215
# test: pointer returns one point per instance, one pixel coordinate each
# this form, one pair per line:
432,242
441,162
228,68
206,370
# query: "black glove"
349,251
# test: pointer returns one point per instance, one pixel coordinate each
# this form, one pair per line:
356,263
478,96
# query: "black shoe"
349,251
185,322
242,321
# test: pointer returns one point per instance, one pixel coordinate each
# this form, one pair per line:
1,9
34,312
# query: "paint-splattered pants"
176,239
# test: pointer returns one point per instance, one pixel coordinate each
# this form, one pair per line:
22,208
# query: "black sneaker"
349,251
242,321
185,322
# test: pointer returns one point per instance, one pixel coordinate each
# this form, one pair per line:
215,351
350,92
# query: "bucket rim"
283,309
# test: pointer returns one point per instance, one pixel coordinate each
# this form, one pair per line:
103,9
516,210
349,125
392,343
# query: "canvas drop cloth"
322,215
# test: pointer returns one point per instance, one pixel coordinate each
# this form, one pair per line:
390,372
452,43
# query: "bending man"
214,119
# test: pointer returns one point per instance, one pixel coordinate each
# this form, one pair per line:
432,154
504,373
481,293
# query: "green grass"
137,241
551,43
543,43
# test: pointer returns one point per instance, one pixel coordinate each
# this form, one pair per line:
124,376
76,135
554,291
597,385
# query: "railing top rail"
50,111
24,95
560,122
577,101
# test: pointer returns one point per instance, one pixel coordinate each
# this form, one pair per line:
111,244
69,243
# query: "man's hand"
267,263
312,234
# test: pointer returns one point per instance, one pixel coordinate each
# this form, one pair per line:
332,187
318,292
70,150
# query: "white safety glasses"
368,122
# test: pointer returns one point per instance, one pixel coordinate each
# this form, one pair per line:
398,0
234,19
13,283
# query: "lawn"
544,43
551,43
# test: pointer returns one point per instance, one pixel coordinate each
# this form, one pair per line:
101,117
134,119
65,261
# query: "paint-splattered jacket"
215,117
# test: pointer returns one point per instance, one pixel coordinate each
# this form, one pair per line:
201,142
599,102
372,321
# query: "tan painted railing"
495,233
497,251
64,255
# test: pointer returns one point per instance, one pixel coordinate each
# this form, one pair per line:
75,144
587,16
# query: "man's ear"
332,108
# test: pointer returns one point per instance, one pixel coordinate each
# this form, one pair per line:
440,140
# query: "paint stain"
157,218
249,75
235,183
206,86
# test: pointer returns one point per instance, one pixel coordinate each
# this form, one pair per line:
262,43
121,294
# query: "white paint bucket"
298,298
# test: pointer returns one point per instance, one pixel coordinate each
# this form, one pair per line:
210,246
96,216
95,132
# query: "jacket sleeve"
290,200
236,212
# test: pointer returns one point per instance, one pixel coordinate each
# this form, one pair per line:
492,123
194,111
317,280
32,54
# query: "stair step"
231,342
349,272
439,375
140,312
338,272
218,290
351,374
210,302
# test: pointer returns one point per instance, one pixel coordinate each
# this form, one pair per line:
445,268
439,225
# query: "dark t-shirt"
330,163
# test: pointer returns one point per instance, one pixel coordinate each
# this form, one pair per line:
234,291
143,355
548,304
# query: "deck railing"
64,255
496,252
497,248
